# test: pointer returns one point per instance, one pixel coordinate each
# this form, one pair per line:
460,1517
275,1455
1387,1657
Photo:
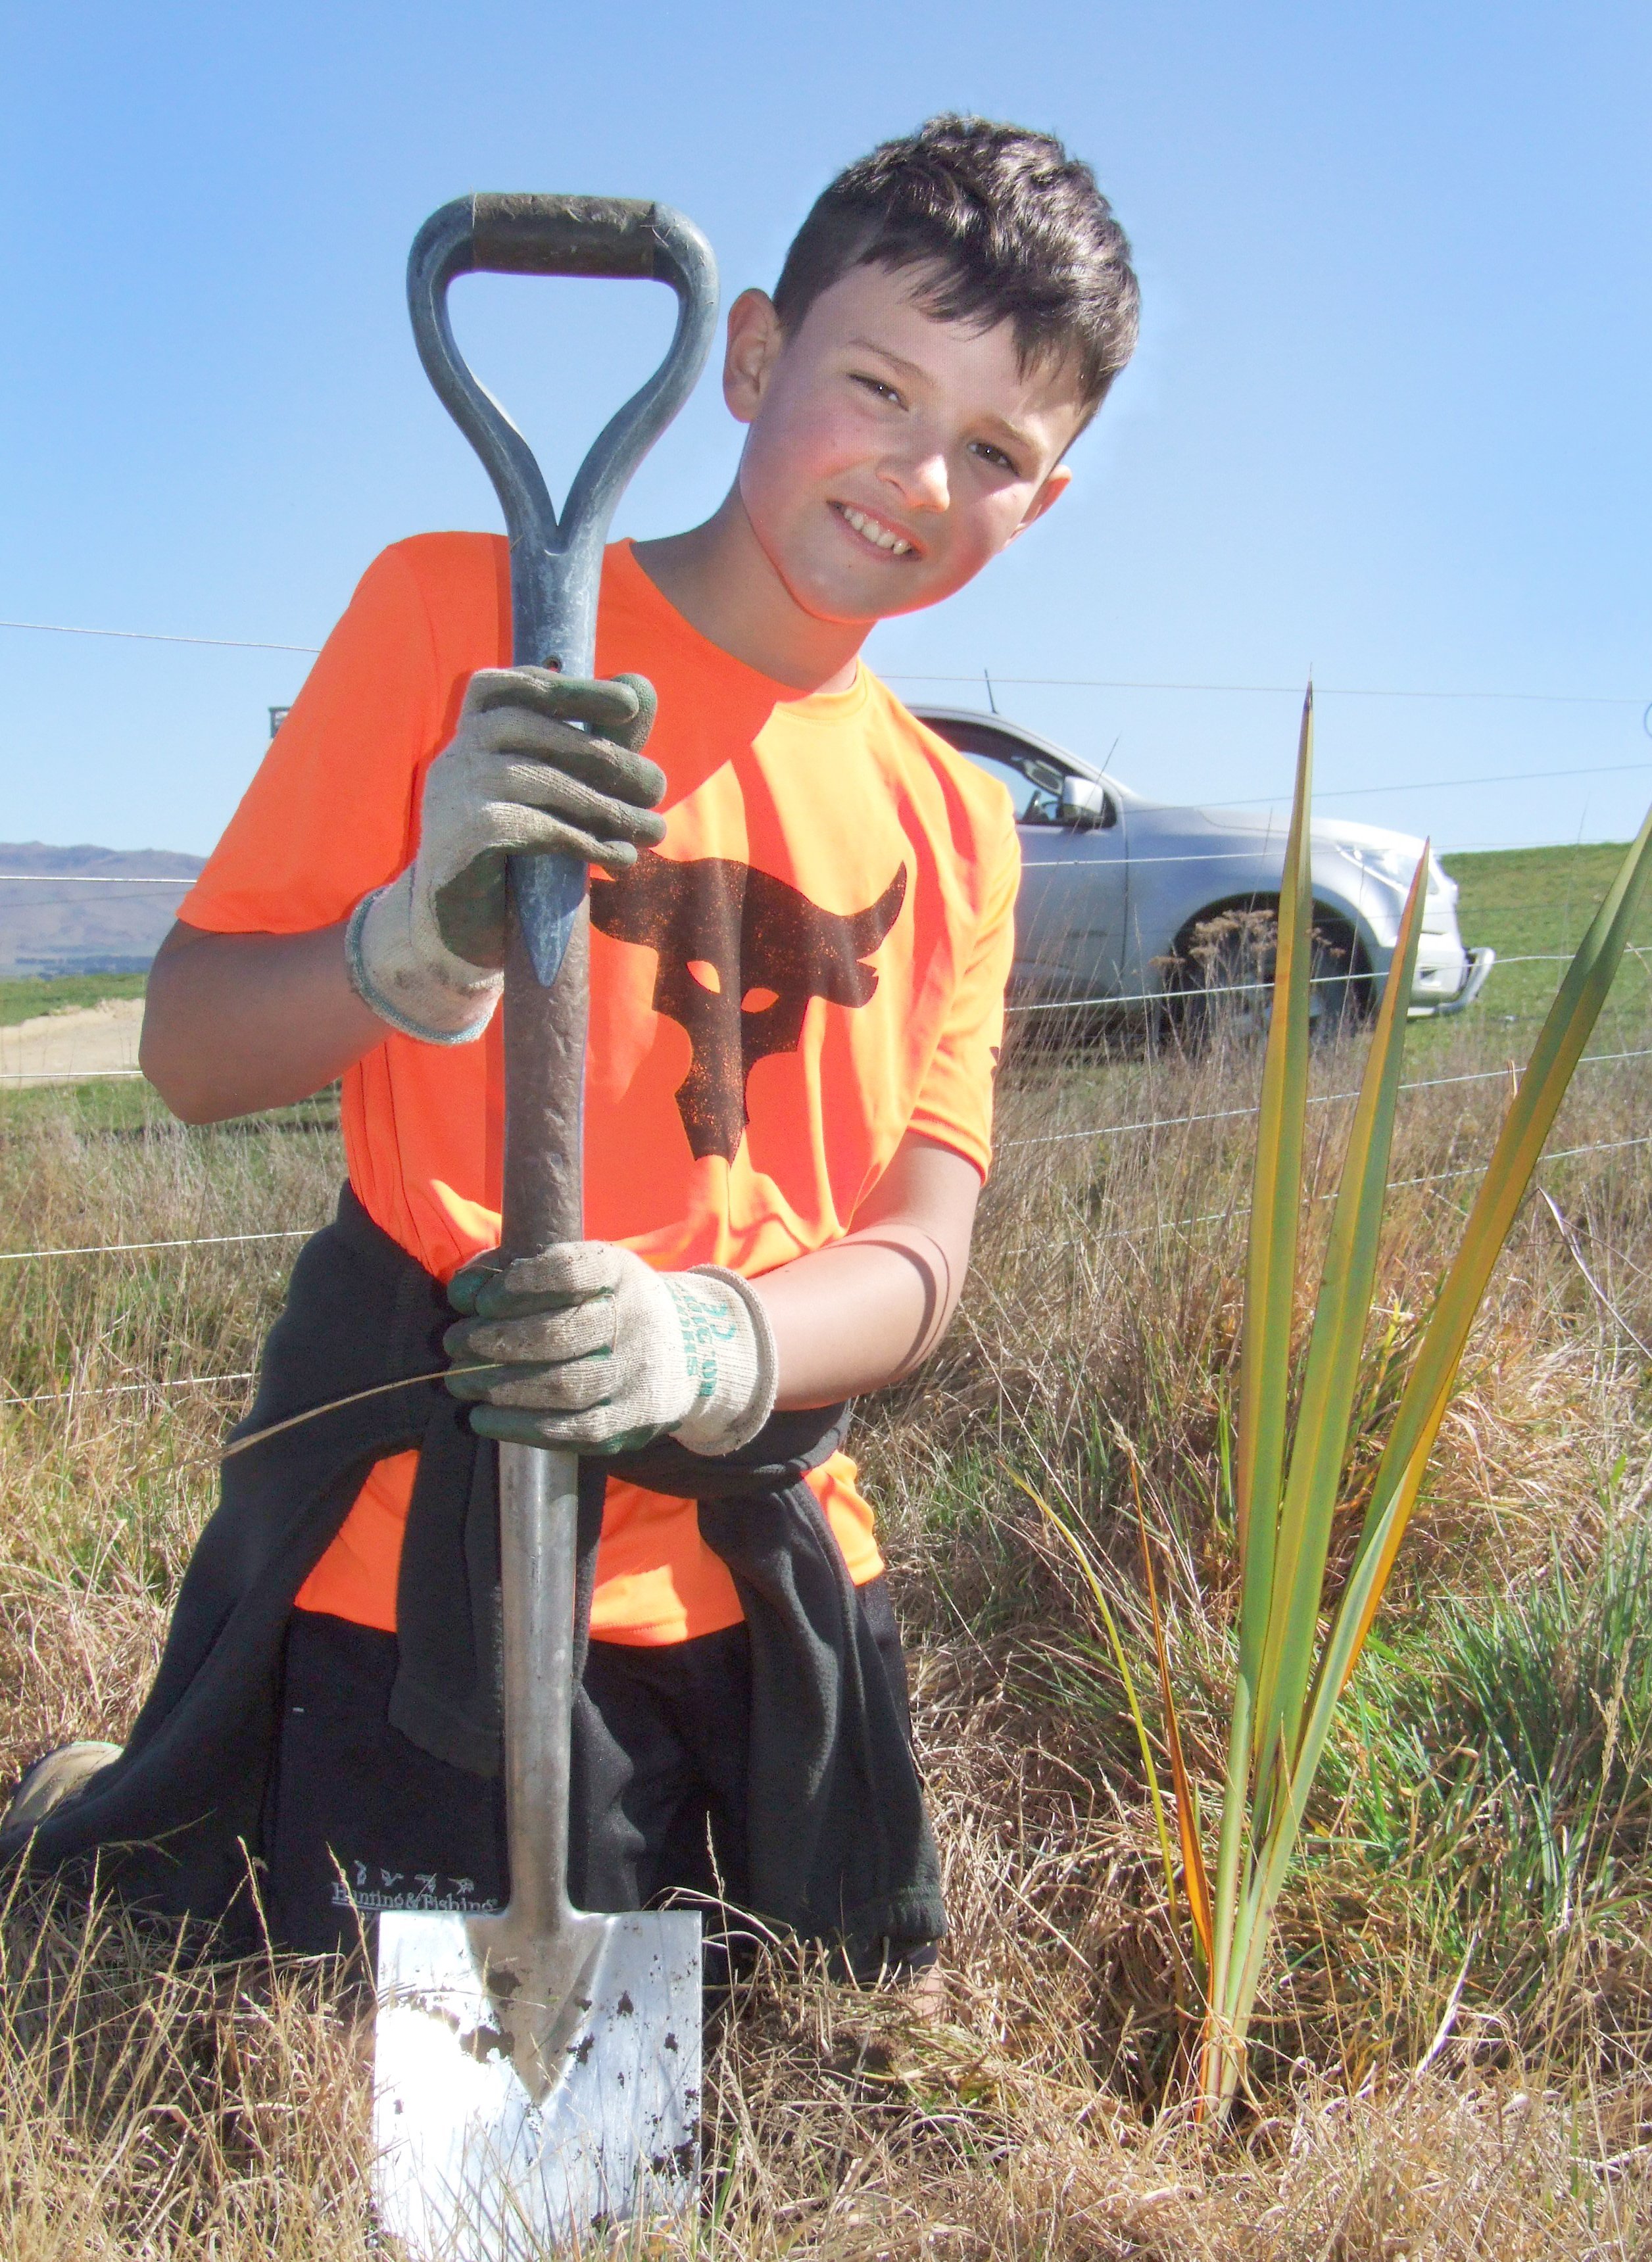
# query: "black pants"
360,1819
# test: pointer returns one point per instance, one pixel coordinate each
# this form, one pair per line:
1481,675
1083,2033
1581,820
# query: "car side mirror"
1085,804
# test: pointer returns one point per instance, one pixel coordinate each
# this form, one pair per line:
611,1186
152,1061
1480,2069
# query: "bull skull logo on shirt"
741,953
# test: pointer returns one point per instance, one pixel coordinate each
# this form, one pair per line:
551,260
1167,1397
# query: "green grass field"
1534,899
1528,902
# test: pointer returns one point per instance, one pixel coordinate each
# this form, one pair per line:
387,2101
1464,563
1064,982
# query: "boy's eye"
996,456
877,384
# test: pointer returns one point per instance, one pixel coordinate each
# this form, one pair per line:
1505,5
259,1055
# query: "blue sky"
1388,418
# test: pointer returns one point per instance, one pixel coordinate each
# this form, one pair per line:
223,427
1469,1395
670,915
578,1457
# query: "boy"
802,925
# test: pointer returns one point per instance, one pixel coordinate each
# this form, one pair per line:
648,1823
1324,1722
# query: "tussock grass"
1453,2053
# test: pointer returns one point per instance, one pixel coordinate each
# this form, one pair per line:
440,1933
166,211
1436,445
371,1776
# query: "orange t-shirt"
811,965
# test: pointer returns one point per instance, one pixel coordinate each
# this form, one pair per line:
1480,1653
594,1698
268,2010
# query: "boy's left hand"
589,1348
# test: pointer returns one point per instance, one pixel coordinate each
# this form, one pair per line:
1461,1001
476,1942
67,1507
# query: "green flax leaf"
1266,1344
1320,1445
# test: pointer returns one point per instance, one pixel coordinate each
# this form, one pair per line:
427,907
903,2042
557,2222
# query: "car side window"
1035,798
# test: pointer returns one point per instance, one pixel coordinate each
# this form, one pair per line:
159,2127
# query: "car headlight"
1394,865
1440,882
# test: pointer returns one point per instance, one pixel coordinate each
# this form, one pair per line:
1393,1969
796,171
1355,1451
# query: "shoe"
51,1783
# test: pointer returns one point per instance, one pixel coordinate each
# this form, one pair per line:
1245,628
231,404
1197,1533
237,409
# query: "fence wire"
1093,1132
1259,989
1155,1226
1039,1139
1046,1247
126,1248
1316,1099
1067,683
126,1389
67,1075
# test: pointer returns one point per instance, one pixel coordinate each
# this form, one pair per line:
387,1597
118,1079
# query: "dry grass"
1456,2053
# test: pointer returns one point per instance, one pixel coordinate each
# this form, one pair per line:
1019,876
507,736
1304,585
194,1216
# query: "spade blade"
470,2167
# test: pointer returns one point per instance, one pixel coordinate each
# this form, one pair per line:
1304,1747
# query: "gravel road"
92,1040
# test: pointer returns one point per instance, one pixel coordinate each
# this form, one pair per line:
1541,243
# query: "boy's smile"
889,455
874,530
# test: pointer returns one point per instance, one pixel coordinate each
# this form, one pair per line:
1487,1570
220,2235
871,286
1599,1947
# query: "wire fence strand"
126,1389
161,636
1318,1100
128,1248
1122,1233
66,1075
1151,1227
1060,683
1270,690
1146,1123
1258,989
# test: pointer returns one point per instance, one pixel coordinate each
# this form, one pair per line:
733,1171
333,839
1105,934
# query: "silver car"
1124,900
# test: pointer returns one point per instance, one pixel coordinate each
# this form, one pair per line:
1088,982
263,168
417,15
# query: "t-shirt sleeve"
955,1105
331,811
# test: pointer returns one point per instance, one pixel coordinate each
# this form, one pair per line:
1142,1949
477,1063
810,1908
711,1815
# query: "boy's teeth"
873,532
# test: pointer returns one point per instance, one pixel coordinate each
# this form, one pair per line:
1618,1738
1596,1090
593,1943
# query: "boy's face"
890,454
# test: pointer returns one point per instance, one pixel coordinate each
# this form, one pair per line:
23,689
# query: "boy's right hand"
519,778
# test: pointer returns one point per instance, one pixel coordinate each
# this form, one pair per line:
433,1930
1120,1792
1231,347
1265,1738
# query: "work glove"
587,1347
519,778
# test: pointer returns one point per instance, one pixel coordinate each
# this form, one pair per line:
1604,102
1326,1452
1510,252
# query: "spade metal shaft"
537,2070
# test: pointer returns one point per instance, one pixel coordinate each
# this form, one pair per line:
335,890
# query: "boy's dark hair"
1010,228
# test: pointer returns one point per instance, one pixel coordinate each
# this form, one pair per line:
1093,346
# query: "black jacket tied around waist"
841,1847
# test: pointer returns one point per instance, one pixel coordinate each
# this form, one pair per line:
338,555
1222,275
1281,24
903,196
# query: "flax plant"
1290,1481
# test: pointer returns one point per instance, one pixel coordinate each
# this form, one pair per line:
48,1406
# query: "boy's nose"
920,481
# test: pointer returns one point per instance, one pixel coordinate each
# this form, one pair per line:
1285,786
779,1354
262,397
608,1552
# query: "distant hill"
104,915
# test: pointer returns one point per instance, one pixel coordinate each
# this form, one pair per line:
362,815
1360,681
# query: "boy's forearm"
858,1315
237,1022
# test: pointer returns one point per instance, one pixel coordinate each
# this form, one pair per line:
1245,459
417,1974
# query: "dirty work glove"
517,779
602,1354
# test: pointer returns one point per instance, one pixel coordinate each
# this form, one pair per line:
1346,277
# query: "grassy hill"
1530,901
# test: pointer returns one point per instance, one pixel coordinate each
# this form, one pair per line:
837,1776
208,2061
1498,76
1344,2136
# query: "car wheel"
1223,979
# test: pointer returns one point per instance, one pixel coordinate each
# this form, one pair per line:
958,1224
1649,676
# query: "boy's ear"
1054,487
754,341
